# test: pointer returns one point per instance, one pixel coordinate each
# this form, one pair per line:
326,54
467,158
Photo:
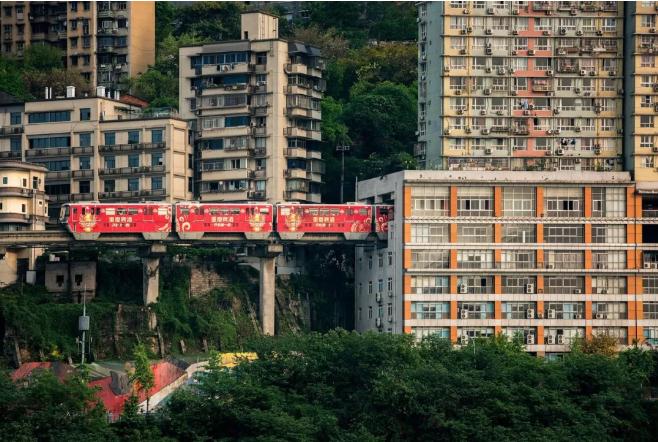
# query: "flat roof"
22,165
474,176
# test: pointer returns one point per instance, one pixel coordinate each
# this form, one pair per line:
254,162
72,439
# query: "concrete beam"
267,298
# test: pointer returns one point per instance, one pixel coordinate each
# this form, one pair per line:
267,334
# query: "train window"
313,211
121,211
185,211
264,210
235,211
324,212
363,211
334,211
66,211
110,211
133,211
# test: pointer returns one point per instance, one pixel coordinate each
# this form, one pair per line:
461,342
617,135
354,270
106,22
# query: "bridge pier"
151,272
267,256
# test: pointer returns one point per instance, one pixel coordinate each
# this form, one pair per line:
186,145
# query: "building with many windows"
547,255
98,149
23,206
521,85
106,41
255,104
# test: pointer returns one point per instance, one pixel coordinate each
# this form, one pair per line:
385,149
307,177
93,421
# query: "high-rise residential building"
641,98
549,256
99,149
23,206
255,104
521,85
107,42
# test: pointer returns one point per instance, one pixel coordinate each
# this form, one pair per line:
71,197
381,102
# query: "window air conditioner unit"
490,11
487,151
560,339
600,316
551,313
530,288
579,33
603,291
550,339
577,291
463,289
583,72
577,316
463,340
530,313
485,131
647,265
530,339
549,73
483,112
531,52
464,314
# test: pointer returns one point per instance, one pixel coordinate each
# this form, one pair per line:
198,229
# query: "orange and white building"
548,255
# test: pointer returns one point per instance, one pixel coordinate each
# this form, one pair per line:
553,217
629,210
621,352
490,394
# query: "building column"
267,256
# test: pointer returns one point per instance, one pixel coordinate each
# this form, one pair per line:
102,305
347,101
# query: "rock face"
204,278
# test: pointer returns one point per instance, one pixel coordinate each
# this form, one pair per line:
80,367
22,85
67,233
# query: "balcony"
61,198
132,194
293,111
82,197
259,110
88,150
234,68
257,195
52,152
58,175
224,175
298,132
88,173
260,152
295,174
259,131
18,191
10,130
130,147
294,195
10,154
295,152
131,170
313,155
105,13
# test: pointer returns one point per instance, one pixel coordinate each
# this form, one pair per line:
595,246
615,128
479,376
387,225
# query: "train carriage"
383,214
352,220
88,220
193,219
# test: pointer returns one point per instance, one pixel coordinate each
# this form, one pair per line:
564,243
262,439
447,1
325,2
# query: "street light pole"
342,149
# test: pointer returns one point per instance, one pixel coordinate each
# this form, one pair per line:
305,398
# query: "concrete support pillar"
267,304
151,272
151,279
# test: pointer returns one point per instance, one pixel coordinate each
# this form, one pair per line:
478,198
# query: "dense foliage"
375,387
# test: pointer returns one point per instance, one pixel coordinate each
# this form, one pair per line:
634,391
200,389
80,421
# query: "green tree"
43,58
210,20
143,377
11,80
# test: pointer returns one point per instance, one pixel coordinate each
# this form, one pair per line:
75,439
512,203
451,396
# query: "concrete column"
267,304
151,279
151,271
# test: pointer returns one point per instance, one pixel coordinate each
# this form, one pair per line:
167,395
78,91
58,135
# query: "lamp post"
342,149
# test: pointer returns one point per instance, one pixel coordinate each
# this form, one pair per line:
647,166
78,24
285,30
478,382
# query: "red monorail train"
192,220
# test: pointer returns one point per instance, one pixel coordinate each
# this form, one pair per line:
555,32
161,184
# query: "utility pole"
342,149
83,323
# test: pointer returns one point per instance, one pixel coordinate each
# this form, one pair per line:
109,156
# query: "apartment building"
549,256
11,126
102,149
23,206
520,85
255,104
107,42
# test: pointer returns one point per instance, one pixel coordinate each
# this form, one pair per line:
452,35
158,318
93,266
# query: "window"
563,259
430,259
15,144
110,162
609,310
475,259
474,233
429,233
430,310
475,284
614,234
563,201
110,138
564,284
421,333
519,285
133,136
133,160
156,183
133,184
430,285
519,233
516,310
15,118
108,186
609,285
569,234
85,163
156,136
476,310
608,202
609,259
157,159
85,114
49,117
566,310
519,201
475,201
650,310
430,201
650,285
517,259
84,139
390,258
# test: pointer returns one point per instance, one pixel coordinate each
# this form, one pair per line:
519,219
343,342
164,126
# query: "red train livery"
191,220
353,220
89,220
